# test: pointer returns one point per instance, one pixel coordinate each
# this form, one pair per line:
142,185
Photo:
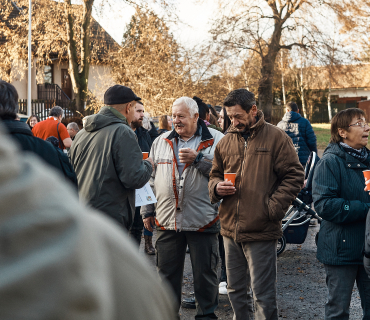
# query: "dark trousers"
171,250
137,227
223,277
340,281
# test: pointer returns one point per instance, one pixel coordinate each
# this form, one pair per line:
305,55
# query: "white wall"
20,79
352,92
99,79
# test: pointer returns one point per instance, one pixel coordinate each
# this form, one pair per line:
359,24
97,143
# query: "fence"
320,112
41,108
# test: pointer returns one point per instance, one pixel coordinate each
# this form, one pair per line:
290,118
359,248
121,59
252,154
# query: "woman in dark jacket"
340,199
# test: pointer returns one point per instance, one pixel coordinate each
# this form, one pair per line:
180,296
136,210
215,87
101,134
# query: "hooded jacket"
300,131
61,260
339,198
183,201
109,166
22,133
268,178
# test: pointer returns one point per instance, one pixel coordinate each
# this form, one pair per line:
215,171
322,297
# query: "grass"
322,131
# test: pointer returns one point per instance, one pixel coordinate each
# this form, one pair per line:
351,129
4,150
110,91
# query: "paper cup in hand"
145,155
367,177
230,177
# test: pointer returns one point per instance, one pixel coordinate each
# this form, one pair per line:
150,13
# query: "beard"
137,123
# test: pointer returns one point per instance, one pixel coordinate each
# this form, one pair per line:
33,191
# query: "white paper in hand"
144,196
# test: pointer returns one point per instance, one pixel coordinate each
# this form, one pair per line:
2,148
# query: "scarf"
360,154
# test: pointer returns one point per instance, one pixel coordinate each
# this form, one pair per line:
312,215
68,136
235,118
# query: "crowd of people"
73,258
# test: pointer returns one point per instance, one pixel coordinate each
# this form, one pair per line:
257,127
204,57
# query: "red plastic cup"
145,155
367,177
230,177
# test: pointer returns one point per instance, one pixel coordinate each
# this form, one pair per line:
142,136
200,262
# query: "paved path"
301,284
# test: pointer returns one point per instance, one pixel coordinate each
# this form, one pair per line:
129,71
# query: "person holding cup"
184,213
343,204
268,177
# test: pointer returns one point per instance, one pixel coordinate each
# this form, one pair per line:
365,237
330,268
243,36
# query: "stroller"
297,219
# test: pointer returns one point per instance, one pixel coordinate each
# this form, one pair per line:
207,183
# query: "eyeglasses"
361,124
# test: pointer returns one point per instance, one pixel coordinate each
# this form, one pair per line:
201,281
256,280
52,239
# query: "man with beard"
184,213
268,178
145,143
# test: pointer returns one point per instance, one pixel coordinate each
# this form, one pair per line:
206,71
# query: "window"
48,74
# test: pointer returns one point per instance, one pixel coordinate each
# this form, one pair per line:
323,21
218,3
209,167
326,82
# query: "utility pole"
29,87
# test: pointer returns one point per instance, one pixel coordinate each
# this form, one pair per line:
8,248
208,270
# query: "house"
50,79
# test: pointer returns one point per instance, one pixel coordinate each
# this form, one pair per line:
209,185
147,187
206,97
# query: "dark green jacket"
108,163
339,198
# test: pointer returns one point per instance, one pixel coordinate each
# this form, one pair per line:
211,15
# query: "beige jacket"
268,178
60,260
183,202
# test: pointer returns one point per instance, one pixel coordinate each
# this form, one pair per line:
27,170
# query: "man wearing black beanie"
107,158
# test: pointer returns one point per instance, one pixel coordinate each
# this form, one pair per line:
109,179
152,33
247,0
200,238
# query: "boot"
148,245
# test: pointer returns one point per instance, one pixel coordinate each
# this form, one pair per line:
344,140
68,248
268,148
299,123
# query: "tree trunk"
79,72
265,95
329,102
282,78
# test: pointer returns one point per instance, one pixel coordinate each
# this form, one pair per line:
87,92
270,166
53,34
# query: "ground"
301,289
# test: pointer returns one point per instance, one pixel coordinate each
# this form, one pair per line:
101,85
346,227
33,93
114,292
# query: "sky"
194,16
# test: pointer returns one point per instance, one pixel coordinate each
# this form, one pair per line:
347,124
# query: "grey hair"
56,112
190,104
73,126
8,100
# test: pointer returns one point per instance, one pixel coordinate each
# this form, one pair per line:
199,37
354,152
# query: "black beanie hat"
119,95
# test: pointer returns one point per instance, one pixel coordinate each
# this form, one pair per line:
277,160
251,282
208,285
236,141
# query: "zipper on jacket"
239,191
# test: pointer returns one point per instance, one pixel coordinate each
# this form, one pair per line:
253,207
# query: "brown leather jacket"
268,178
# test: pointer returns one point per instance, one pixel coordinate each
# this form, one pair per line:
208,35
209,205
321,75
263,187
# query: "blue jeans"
340,281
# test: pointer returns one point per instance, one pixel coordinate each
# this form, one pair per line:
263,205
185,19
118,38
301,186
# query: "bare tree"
259,26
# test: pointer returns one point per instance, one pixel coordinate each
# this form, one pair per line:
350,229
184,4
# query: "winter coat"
183,201
339,198
268,178
160,131
144,140
22,133
367,246
300,131
109,166
61,260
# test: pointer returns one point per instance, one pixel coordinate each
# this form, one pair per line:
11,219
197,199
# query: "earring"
345,137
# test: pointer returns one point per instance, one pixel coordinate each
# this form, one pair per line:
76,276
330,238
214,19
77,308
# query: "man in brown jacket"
268,178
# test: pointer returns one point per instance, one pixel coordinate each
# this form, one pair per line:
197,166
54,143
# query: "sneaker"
222,288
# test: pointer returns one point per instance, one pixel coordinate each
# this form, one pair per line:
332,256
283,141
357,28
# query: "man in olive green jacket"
108,160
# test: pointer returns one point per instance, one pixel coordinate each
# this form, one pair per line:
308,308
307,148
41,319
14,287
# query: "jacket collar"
202,131
253,129
114,111
15,126
140,131
336,149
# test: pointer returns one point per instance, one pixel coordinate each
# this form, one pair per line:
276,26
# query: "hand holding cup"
225,188
187,155
151,161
